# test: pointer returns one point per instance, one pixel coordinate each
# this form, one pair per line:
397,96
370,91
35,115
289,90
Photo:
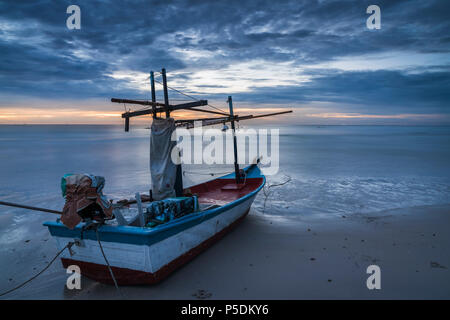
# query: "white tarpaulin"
162,169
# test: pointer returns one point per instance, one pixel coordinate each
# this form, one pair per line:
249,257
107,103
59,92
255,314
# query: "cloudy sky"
316,57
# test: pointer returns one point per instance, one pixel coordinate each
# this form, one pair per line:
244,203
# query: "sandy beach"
270,257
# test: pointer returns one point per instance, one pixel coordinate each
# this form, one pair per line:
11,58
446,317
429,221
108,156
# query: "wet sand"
269,257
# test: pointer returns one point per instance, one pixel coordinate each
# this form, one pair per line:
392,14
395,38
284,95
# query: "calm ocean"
333,169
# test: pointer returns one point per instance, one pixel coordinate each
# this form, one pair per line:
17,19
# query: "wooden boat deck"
213,191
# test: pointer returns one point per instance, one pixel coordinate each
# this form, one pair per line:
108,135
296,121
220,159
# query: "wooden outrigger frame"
158,107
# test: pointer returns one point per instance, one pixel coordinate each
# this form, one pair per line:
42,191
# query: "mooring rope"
266,190
68,246
107,262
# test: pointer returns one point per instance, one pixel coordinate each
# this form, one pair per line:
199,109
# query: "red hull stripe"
124,276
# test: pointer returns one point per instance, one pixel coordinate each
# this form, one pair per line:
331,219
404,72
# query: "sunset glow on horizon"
74,116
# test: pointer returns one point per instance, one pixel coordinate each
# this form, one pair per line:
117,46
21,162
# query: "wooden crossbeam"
213,121
266,115
189,105
141,102
128,115
181,121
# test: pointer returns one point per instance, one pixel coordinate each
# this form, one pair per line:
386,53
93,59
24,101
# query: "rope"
68,246
266,190
193,98
206,174
106,260
184,94
216,108
245,177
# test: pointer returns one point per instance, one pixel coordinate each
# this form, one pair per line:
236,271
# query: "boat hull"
139,255
126,276
134,264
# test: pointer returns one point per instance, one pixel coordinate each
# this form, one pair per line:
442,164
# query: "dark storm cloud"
40,57
367,92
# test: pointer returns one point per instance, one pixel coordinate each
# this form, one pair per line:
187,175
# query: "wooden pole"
127,124
152,84
179,181
141,102
236,165
166,93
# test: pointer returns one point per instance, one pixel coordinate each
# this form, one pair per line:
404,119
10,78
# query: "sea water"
331,169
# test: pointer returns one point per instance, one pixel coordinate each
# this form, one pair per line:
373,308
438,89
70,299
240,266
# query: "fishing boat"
140,255
172,224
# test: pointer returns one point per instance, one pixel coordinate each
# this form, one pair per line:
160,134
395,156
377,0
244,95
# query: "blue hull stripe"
146,236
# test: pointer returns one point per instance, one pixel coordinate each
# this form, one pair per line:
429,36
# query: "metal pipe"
166,93
236,165
10,204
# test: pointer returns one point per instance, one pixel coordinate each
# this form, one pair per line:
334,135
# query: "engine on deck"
84,199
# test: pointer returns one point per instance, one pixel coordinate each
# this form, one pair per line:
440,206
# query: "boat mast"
179,171
236,165
152,85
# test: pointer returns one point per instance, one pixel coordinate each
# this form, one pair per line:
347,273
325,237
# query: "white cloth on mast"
162,169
